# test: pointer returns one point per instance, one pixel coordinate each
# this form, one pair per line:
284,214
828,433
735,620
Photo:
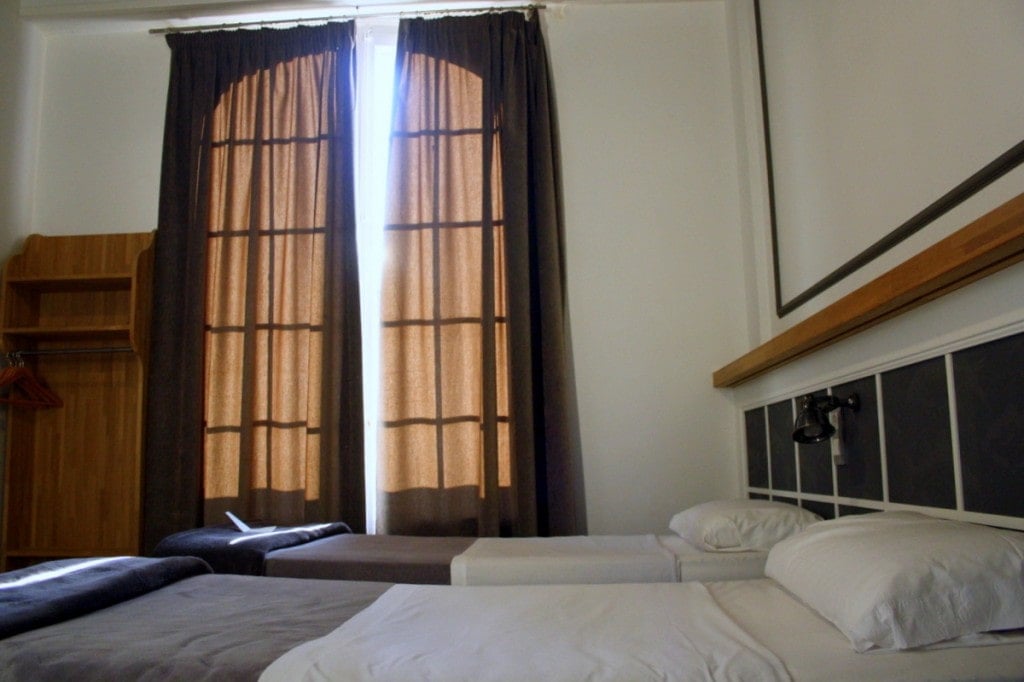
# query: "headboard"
942,434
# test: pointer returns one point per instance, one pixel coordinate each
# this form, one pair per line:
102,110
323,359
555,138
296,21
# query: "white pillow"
740,525
898,580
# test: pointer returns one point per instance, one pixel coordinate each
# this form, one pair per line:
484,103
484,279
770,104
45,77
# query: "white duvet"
671,631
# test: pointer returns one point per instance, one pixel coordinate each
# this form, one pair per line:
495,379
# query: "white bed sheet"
632,632
579,559
681,631
598,559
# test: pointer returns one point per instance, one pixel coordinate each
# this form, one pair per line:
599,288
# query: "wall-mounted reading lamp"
812,424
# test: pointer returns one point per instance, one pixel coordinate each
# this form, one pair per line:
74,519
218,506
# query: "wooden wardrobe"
75,312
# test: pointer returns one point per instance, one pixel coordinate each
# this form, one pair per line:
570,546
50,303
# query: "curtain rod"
356,13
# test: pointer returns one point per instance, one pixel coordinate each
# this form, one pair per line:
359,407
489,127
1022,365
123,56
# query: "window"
375,59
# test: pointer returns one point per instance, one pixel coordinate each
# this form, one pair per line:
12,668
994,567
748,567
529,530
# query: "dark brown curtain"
255,391
479,432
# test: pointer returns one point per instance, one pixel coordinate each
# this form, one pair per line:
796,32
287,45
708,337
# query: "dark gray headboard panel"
944,434
990,388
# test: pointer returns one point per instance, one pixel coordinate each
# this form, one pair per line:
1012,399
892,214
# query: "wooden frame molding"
989,244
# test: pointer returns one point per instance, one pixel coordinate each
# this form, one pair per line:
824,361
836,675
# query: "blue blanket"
60,590
228,550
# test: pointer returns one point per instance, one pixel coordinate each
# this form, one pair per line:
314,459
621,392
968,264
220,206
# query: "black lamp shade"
810,429
812,423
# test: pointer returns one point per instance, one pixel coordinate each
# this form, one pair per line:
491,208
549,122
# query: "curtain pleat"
255,402
477,438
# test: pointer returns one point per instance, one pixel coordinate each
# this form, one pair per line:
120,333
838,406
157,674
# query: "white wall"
21,53
102,133
984,308
875,114
654,249
654,256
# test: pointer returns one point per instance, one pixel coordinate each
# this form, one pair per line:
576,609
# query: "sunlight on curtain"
445,440
256,340
479,424
265,265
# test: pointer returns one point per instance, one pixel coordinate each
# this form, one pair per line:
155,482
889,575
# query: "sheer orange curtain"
475,438
265,166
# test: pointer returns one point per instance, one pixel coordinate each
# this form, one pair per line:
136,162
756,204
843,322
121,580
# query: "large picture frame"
974,183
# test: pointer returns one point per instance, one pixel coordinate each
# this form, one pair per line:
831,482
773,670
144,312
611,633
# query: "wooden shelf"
96,282
99,333
987,245
109,332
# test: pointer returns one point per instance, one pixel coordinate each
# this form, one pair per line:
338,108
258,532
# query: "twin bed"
887,596
720,540
511,561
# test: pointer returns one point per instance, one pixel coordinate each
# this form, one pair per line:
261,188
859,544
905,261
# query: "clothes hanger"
22,382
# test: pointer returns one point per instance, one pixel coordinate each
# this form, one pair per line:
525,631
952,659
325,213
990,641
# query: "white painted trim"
767,443
1012,522
954,433
883,459
795,446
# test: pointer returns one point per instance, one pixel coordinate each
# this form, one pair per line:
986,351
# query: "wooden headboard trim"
989,244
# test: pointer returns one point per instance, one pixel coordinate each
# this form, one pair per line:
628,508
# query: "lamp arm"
830,402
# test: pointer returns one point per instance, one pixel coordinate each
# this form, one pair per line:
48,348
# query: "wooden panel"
78,256
987,245
74,474
87,469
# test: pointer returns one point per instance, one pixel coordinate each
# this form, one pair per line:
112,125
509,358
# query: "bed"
960,622
717,540
202,626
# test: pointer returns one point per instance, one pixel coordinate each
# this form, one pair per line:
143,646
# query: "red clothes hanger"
25,390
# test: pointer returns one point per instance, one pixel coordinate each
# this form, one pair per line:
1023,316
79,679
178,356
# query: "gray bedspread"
390,558
228,550
209,627
49,593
